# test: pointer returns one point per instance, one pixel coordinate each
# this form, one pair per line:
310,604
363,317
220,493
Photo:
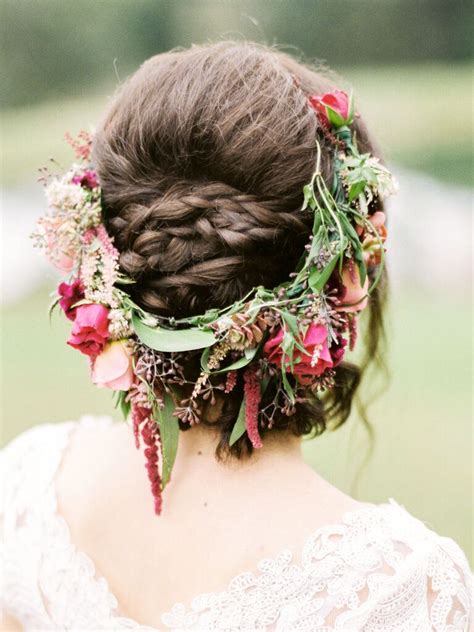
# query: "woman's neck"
196,465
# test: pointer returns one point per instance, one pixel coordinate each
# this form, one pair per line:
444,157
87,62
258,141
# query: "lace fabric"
380,569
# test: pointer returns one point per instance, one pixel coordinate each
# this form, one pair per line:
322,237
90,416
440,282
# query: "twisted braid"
206,236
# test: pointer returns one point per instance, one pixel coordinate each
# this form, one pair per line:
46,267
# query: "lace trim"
369,571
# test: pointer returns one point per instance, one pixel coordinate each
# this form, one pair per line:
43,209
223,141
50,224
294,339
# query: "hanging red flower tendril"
252,401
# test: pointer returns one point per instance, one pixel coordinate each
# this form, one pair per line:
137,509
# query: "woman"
219,246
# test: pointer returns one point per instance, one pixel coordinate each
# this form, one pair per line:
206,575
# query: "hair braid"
204,235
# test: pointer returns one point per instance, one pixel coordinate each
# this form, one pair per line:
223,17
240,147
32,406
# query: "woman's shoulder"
30,461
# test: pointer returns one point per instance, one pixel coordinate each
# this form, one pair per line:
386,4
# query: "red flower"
91,329
334,108
314,362
70,294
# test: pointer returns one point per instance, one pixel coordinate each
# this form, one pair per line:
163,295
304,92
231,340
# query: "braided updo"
202,157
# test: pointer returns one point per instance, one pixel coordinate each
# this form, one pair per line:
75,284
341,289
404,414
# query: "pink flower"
113,367
91,329
70,294
333,108
315,362
88,179
354,297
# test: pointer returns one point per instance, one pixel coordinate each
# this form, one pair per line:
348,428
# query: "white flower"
62,194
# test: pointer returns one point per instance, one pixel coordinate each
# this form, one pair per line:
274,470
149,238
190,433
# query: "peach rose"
113,367
354,297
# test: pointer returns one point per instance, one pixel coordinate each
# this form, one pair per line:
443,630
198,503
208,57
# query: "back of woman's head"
202,158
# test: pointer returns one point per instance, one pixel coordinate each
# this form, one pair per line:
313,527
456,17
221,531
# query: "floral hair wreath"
300,328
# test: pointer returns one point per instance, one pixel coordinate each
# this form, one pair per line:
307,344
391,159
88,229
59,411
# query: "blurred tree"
62,47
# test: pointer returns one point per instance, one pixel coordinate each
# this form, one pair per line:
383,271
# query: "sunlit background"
410,64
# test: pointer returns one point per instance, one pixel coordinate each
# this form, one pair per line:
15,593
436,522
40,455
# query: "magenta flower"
90,330
88,179
70,294
314,362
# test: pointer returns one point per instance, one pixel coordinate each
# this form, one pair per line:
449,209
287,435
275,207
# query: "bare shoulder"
100,462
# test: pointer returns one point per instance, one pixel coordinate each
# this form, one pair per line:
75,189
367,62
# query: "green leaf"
318,278
362,272
287,386
169,434
239,426
308,196
123,404
355,189
52,307
162,339
350,116
334,117
248,356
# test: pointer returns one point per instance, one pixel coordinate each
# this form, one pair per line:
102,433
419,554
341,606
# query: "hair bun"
205,244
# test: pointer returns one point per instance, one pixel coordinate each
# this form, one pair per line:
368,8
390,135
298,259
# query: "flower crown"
295,334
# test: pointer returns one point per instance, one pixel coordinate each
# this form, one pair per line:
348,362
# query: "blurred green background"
410,63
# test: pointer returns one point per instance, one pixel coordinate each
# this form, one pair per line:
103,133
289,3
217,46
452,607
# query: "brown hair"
202,157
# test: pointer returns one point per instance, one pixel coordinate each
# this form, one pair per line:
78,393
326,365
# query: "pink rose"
354,297
70,294
91,329
315,343
334,108
113,367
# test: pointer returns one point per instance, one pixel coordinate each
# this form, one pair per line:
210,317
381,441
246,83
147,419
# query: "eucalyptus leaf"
169,435
162,339
239,426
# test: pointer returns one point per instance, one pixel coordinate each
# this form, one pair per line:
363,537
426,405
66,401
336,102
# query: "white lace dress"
380,569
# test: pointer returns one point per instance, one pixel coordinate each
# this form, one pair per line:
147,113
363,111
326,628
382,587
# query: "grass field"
422,450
